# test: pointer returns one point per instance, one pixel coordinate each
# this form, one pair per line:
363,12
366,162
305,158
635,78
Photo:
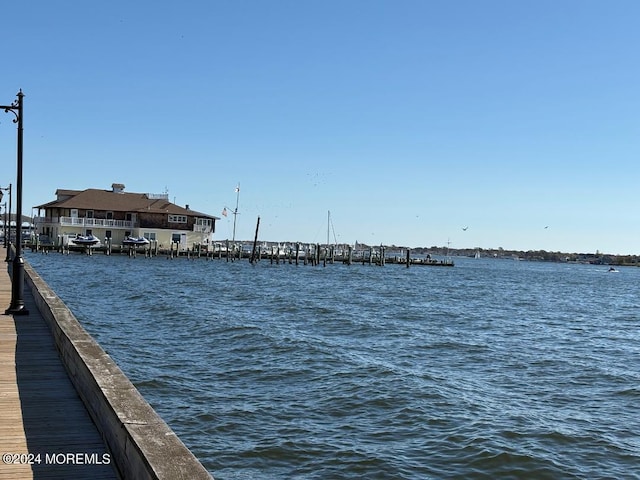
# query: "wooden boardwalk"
42,419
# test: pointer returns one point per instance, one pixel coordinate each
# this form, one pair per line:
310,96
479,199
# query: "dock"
40,412
294,253
66,409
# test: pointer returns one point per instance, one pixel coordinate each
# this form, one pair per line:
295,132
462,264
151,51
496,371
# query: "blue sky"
408,120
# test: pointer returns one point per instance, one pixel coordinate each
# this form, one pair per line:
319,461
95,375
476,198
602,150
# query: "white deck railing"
202,228
86,222
101,223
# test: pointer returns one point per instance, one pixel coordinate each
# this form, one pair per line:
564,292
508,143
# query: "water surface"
490,369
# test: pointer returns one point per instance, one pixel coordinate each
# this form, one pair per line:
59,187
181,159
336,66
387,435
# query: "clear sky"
407,120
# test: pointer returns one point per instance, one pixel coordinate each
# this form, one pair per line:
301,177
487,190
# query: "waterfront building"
113,215
27,227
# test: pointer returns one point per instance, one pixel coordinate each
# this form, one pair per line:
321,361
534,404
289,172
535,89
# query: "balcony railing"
102,223
202,228
86,222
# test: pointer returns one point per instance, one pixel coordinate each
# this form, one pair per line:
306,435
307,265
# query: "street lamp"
4,225
7,219
17,279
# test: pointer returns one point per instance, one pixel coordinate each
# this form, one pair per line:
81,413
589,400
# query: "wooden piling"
255,243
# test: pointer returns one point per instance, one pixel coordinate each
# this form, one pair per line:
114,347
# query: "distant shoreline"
538,255
597,258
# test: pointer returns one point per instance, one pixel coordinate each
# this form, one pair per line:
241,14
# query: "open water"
492,369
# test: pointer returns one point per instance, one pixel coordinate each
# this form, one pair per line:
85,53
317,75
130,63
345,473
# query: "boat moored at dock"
135,241
85,240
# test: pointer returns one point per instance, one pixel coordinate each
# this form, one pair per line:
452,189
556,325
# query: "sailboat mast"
328,223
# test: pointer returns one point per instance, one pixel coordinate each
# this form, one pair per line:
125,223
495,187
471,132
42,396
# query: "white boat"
274,250
85,240
135,241
219,248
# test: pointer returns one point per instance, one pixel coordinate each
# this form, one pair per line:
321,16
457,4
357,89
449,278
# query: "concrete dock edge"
142,445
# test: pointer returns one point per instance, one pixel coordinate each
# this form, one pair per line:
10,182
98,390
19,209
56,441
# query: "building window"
151,236
109,216
177,219
175,238
89,214
108,234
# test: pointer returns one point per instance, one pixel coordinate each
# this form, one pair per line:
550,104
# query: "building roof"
118,201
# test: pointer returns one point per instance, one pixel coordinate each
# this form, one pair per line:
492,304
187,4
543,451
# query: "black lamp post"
17,279
7,219
5,223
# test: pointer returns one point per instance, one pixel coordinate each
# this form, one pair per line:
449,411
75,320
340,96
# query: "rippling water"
491,369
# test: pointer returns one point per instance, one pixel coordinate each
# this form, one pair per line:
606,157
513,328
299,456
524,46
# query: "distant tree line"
534,255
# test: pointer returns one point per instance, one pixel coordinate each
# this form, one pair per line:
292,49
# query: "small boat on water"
135,241
85,240
612,270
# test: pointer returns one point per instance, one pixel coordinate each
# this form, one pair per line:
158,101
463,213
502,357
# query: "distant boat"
219,247
274,249
613,270
135,241
85,240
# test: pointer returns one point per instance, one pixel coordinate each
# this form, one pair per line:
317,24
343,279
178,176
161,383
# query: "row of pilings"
298,253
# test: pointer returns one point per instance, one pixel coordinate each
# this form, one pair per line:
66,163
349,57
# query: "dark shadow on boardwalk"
59,431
